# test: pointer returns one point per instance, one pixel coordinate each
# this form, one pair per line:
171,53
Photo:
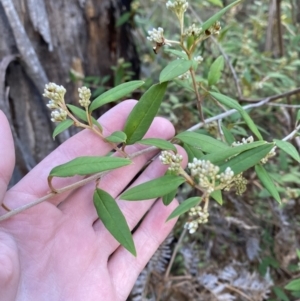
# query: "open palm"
59,250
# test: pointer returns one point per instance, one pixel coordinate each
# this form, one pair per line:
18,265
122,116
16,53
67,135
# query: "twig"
246,107
174,253
235,77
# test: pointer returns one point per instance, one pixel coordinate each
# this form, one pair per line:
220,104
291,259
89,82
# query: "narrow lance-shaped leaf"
192,152
217,196
168,198
247,159
159,143
185,207
228,135
115,94
113,219
233,104
204,142
267,182
88,165
117,137
153,189
81,114
288,148
220,156
218,15
174,69
178,53
142,115
294,285
62,126
215,71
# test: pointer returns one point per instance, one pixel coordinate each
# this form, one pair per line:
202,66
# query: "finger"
81,205
7,155
133,210
85,143
147,238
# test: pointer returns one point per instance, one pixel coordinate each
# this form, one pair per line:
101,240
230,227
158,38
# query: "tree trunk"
41,41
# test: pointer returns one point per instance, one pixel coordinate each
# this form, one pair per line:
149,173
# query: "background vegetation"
248,250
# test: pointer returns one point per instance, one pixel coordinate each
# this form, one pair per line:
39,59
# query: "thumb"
7,154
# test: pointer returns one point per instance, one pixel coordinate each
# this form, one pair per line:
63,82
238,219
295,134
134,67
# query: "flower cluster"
173,160
192,31
271,154
198,59
198,216
156,35
59,115
178,6
226,176
56,94
185,75
206,174
214,29
244,141
239,183
84,96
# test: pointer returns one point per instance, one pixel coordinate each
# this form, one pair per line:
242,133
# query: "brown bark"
41,41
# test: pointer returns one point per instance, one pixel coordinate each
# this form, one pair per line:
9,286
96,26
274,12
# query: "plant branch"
258,103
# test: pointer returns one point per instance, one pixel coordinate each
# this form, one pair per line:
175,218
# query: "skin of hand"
59,250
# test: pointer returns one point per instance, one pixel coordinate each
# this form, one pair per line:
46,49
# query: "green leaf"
294,285
247,159
215,71
221,156
288,148
174,69
298,116
62,126
216,2
113,219
267,182
142,115
217,196
218,15
117,137
192,152
159,143
280,294
184,207
88,165
178,53
123,19
298,253
115,93
233,104
153,189
204,142
81,114
228,135
168,198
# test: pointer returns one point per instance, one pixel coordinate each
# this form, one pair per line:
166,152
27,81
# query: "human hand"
59,250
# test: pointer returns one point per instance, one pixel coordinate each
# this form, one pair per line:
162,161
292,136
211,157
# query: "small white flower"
193,31
156,35
84,96
55,92
178,6
198,59
173,160
58,115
